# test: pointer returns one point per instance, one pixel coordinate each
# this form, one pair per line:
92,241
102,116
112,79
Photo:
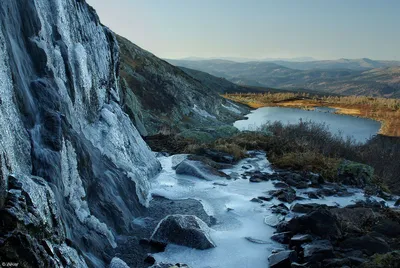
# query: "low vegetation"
384,110
306,146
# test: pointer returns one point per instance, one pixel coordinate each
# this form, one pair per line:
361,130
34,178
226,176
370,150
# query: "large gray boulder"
178,159
318,250
118,263
320,223
367,243
199,169
185,230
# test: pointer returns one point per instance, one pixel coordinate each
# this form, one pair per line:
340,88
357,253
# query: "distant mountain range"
343,76
239,59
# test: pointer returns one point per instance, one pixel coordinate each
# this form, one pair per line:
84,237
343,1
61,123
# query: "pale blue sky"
258,28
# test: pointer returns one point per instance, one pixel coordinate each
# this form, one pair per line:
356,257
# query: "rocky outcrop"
161,98
282,259
185,230
355,174
80,167
118,263
333,237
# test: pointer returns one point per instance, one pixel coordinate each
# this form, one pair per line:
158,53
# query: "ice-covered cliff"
73,168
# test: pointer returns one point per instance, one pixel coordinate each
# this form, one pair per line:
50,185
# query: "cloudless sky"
258,28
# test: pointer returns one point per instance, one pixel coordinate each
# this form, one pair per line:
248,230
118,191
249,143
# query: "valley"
350,77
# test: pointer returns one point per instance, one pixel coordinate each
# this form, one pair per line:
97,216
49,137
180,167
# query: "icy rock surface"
118,263
61,120
185,230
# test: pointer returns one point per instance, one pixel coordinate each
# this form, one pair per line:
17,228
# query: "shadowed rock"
118,263
185,230
282,259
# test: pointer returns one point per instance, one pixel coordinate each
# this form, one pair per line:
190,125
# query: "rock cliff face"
161,98
73,168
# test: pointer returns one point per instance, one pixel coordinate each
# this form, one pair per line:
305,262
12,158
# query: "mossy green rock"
388,260
355,174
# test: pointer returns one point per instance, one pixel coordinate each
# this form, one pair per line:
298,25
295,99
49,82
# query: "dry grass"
306,146
387,111
309,161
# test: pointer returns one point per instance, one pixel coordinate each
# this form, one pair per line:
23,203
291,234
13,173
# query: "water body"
360,129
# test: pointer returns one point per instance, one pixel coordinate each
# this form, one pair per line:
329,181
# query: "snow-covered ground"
236,216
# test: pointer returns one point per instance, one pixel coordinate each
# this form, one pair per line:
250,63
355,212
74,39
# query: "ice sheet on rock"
76,195
117,138
231,108
14,141
71,257
202,112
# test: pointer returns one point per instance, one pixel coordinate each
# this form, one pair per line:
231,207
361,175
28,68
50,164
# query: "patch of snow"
231,108
202,112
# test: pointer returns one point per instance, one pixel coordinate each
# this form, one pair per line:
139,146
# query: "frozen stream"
236,216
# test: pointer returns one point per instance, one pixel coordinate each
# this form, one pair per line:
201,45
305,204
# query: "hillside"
352,64
160,97
347,77
218,84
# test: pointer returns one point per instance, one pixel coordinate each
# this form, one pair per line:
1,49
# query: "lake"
360,129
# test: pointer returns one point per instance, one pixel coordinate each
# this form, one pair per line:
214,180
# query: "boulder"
185,230
200,170
283,238
318,250
367,243
118,263
355,174
306,208
387,227
256,200
177,159
320,223
281,184
265,198
257,176
217,156
285,195
336,262
397,203
255,179
312,195
280,209
300,239
273,219
282,259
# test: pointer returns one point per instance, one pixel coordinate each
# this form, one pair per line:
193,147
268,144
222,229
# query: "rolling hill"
348,77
